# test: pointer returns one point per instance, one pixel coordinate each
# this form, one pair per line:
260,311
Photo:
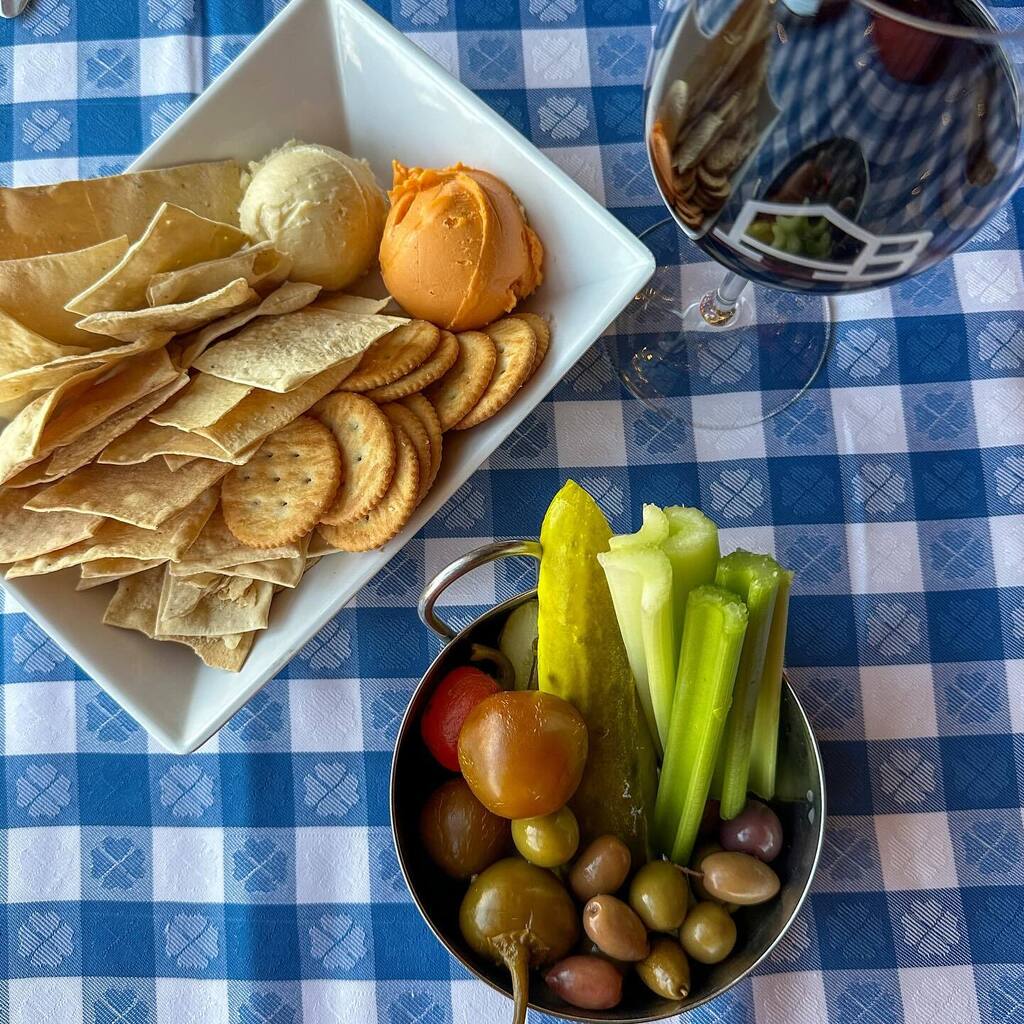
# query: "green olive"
665,970
738,878
659,894
548,840
708,934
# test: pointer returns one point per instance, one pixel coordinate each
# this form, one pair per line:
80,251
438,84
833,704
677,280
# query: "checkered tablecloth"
254,881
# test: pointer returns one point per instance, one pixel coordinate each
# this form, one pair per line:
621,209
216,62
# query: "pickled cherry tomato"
523,752
449,705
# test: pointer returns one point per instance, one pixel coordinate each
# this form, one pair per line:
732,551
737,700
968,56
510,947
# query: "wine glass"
809,147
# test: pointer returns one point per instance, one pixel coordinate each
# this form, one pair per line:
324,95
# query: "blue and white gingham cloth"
254,882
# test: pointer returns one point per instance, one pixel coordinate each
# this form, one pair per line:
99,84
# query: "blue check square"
980,772
822,631
262,941
113,789
847,777
933,348
853,931
185,790
403,946
117,939
257,790
191,940
965,625
807,489
44,940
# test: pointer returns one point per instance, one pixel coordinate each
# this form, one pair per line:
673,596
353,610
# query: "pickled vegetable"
449,706
589,982
659,894
615,928
764,748
755,579
665,970
602,867
713,639
461,836
521,916
755,830
523,753
548,841
580,657
708,934
738,878
518,642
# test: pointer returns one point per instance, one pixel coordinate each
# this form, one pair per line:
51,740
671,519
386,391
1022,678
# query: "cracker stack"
205,430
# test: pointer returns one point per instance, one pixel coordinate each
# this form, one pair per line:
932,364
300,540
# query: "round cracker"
517,348
281,492
367,443
433,369
391,514
411,424
455,394
543,331
428,417
393,356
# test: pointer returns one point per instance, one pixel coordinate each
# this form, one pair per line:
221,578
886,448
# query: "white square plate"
333,71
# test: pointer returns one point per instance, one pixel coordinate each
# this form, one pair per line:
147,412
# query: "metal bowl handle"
457,569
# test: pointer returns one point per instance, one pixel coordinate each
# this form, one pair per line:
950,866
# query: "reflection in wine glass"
809,147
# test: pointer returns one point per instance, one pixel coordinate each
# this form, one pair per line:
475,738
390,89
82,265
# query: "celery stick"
755,579
692,548
640,581
654,530
765,744
716,621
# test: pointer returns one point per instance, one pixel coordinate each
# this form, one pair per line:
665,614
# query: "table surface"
254,881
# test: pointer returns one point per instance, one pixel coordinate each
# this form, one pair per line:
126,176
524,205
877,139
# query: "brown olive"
615,928
701,893
521,916
659,894
589,982
738,878
665,970
461,836
708,934
602,867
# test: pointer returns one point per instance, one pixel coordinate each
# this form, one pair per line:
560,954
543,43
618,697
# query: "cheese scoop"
457,249
320,206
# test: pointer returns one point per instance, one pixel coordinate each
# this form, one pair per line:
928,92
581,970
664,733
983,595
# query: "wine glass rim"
991,33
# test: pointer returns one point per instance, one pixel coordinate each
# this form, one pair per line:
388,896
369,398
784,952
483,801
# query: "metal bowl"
800,803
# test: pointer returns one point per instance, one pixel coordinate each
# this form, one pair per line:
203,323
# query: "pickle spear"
581,657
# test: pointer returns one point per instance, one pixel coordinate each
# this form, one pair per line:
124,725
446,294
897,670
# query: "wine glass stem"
718,307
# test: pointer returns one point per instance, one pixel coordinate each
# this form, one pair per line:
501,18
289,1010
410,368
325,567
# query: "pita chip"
174,238
25,534
21,348
261,266
35,290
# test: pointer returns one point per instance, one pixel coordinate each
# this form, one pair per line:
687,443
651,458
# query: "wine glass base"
724,376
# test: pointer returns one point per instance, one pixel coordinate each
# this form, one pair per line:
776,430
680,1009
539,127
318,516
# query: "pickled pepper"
581,657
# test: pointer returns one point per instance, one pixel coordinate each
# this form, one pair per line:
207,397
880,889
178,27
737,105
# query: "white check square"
776,995
884,558
944,995
556,58
998,412
326,714
188,864
34,1000
192,1001
339,1002
915,851
170,64
589,434
899,701
39,718
44,864
988,281
869,420
33,73
332,864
